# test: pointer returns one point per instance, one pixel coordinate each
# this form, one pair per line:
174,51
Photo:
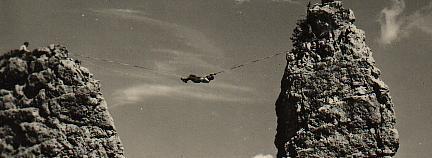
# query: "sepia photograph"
215,78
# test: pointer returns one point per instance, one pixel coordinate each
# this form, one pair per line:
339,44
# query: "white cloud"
241,1
125,11
395,25
191,37
135,15
289,1
220,92
263,156
390,24
234,87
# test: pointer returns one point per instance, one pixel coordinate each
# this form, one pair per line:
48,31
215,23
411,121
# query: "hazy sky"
233,117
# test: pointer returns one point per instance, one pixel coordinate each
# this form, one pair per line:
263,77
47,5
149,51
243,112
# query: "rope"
172,74
250,62
126,64
112,70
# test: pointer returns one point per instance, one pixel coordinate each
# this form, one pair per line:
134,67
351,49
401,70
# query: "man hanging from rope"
197,79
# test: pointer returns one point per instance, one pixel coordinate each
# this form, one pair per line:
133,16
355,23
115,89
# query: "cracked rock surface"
50,106
332,101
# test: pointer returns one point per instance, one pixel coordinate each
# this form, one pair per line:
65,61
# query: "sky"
157,115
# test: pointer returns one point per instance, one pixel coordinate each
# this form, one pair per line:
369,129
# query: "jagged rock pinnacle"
332,102
50,106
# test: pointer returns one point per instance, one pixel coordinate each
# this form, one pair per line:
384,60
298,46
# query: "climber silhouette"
24,47
197,79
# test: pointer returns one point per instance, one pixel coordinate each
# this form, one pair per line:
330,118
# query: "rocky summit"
332,101
50,106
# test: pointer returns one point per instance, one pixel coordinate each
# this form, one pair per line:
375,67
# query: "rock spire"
332,101
50,106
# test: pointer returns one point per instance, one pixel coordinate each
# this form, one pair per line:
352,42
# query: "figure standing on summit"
24,47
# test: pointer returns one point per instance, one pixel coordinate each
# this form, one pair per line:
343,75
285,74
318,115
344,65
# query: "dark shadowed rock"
51,106
332,102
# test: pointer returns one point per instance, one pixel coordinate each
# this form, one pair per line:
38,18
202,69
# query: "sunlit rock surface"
332,101
50,106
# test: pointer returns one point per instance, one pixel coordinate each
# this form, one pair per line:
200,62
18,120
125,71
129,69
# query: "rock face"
50,106
332,102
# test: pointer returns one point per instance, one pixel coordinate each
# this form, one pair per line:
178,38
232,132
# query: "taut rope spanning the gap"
173,74
128,65
250,62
